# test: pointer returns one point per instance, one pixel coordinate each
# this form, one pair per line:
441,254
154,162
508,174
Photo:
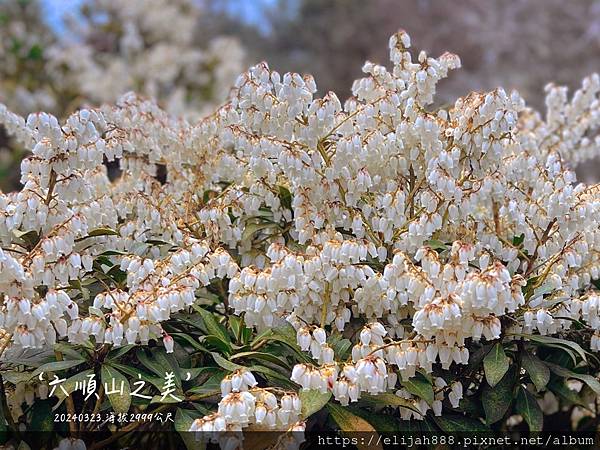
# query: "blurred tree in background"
520,44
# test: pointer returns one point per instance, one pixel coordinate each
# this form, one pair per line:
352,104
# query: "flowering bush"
383,265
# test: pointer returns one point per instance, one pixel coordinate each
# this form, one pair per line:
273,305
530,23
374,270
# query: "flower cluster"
410,230
242,404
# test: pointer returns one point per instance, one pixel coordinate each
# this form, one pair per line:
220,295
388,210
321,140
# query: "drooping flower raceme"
410,229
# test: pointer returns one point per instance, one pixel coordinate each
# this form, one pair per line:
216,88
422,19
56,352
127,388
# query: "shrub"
434,268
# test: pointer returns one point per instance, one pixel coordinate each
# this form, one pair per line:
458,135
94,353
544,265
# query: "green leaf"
388,399
41,416
190,340
286,335
170,365
495,365
570,347
528,407
476,357
210,387
285,197
351,423
239,329
103,231
150,363
471,405
117,274
454,423
313,401
383,423
30,238
113,253
69,386
224,363
341,346
120,399
538,371
560,388
119,352
420,386
156,242
70,350
16,377
435,244
183,422
168,399
261,356
212,326
518,240
274,377
137,374
496,400
252,228
591,381
57,366
215,343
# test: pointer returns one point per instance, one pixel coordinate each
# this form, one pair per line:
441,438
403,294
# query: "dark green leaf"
69,386
477,356
591,381
119,352
454,423
35,52
495,365
496,400
471,406
30,238
570,347
137,374
273,377
341,346
538,371
560,388
420,386
41,416
216,343
261,356
383,423
190,340
151,363
168,361
224,363
518,240
212,326
528,407
183,422
116,388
